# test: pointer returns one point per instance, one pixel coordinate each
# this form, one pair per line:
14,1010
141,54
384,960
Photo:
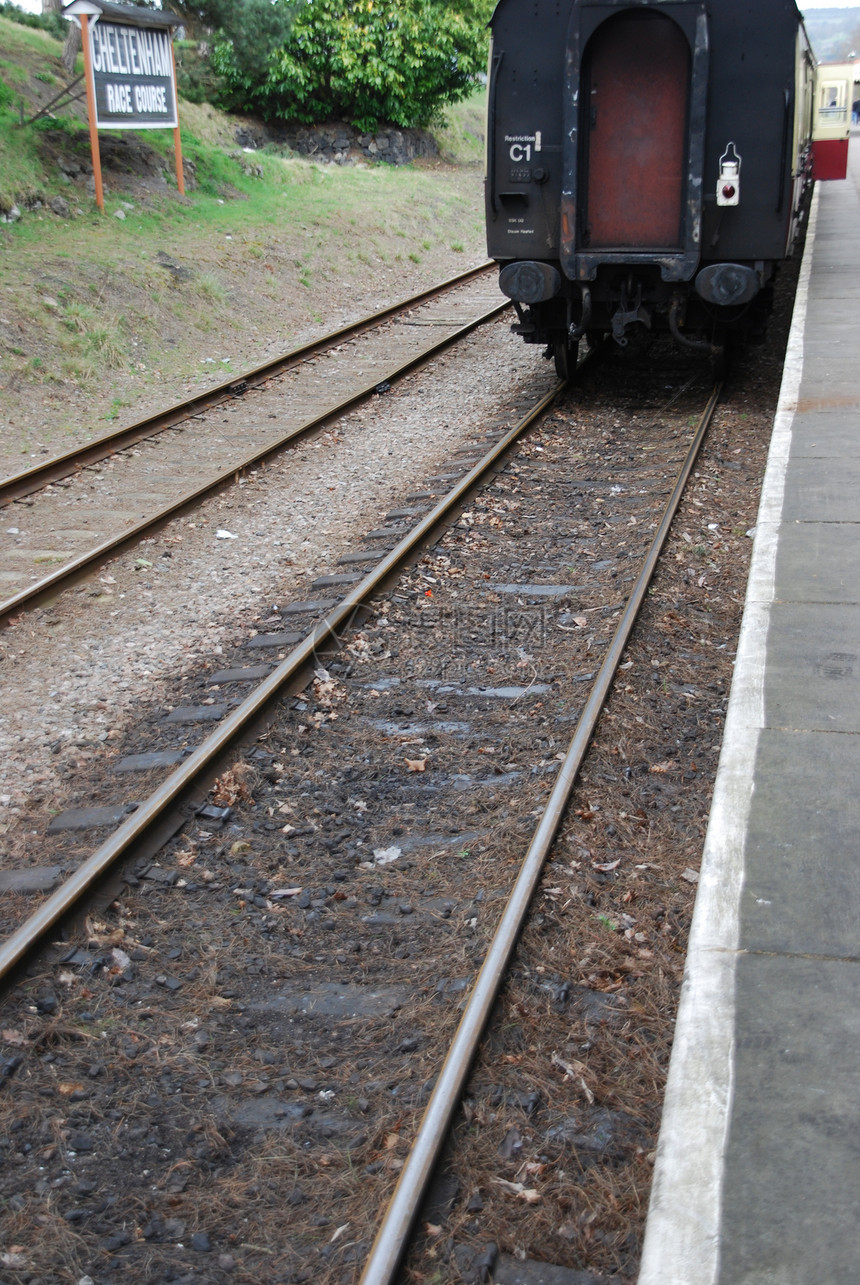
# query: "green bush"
368,62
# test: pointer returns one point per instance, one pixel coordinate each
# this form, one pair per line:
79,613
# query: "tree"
250,29
72,44
367,61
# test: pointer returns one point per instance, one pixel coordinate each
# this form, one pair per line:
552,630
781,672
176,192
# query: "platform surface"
757,1178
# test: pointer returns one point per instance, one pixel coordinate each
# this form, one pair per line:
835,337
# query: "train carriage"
646,164
831,130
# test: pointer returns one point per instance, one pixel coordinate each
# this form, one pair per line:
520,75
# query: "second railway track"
340,913
65,517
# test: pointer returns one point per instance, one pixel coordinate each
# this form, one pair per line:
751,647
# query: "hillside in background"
835,33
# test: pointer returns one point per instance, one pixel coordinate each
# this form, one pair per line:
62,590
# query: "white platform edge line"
682,1235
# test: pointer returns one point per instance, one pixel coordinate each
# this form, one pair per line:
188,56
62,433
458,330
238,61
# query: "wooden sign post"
91,111
130,73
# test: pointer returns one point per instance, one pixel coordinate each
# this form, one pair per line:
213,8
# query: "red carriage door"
638,73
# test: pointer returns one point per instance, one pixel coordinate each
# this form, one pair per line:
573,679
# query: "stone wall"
342,144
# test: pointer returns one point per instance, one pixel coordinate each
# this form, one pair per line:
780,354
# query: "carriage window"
832,103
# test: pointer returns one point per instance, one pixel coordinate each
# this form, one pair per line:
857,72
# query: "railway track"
392,1239
342,884
66,516
293,672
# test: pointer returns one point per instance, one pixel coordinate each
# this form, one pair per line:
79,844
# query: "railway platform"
757,1176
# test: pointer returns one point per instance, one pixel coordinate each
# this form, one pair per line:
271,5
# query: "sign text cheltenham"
130,71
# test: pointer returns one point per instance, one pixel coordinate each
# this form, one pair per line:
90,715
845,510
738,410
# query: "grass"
21,169
461,137
211,288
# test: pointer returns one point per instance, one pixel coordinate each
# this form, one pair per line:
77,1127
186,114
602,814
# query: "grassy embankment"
104,318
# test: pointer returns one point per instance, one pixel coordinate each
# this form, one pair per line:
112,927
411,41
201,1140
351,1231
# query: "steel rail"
49,586
391,1239
59,903
33,479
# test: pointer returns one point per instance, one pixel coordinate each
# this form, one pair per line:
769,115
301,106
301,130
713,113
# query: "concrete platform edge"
682,1234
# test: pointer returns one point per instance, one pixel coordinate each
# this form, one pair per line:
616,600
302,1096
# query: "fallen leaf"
416,765
230,787
528,1194
284,892
692,876
668,766
606,866
98,936
68,1087
15,1037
